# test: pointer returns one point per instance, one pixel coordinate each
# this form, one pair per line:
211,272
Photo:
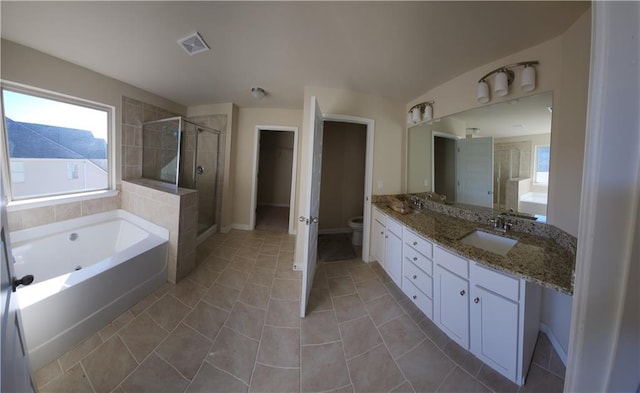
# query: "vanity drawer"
394,227
418,259
379,216
496,281
423,246
452,262
422,301
420,279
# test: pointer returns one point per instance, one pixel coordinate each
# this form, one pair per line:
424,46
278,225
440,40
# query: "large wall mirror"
495,156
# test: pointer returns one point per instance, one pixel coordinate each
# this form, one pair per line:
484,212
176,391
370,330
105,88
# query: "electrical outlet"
380,184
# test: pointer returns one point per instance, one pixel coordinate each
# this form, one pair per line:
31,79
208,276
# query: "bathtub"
87,271
533,203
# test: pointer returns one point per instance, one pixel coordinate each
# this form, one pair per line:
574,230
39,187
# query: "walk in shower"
180,152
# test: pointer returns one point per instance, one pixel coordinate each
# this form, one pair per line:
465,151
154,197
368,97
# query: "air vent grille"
193,44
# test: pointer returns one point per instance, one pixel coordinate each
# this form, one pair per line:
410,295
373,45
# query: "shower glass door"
160,140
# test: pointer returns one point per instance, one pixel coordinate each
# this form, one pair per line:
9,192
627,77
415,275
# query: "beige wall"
536,140
275,168
344,148
564,70
244,150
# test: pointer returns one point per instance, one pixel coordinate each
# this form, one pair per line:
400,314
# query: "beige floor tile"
261,276
185,349
337,269
234,353
359,336
280,347
142,335
143,304
285,255
412,311
319,300
285,270
47,373
267,262
225,251
81,350
496,382
320,280
460,381
283,313
323,367
540,380
340,286
163,289
395,291
270,249
370,289
117,324
216,264
405,387
320,328
188,292
154,376
248,252
203,275
207,319
242,264
233,278
556,366
463,358
72,381
437,336
361,273
425,367
211,380
375,371
379,271
108,365
400,335
168,312
255,295
246,320
275,380
286,289
348,307
344,389
383,309
222,296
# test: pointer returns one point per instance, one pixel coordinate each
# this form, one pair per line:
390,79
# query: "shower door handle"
199,169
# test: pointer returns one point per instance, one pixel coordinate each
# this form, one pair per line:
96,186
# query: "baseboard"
334,230
554,342
241,227
274,204
226,229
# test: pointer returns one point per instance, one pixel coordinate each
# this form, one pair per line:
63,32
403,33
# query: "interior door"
474,171
309,227
16,374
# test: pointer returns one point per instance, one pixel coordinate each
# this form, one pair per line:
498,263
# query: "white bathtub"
87,271
533,203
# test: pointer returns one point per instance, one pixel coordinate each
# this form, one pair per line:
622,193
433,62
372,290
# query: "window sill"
59,200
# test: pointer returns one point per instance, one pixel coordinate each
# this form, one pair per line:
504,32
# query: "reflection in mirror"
493,156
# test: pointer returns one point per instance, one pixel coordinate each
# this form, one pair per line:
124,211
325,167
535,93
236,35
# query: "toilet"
355,223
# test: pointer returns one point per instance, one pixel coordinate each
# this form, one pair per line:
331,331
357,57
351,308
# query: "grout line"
255,362
445,378
84,372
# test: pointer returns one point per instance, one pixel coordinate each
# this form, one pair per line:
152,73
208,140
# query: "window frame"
54,199
535,165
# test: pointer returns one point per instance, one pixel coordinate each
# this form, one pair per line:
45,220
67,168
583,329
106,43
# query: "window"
541,174
54,144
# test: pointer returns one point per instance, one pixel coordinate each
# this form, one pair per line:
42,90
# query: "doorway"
274,179
444,165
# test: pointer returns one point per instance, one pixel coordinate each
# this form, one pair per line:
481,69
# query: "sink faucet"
501,224
417,202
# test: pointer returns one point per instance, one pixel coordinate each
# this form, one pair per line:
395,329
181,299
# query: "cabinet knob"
382,233
415,258
415,243
476,300
415,276
414,297
462,292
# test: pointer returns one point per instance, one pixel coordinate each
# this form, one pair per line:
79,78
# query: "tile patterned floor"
233,326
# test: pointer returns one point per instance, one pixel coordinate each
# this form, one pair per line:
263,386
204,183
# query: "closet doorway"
274,180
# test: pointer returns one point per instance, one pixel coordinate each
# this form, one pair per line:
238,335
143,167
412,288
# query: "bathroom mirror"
495,156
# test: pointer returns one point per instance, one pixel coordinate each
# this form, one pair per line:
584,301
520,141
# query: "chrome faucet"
501,224
417,202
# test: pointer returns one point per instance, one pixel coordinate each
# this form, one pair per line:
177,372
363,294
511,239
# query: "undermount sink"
404,210
489,242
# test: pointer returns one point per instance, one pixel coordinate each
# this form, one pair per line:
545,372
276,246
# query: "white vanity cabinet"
387,245
417,271
505,319
451,295
377,236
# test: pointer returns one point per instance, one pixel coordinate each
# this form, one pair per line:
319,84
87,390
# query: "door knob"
199,169
26,280
314,220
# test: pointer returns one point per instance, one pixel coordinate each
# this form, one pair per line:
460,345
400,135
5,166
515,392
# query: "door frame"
439,134
294,170
368,176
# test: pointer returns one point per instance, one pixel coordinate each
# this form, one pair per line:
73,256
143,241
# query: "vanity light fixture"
504,76
258,93
420,112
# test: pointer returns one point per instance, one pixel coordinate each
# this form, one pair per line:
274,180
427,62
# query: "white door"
16,374
309,228
451,301
474,169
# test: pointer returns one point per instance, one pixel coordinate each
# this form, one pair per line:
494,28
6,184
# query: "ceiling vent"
193,44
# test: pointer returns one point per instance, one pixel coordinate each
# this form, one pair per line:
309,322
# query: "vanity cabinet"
417,270
451,296
377,239
387,245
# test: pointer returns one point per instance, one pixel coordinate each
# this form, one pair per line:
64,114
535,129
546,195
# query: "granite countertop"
534,258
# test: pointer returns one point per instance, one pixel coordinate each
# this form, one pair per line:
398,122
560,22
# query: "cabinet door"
378,241
393,257
494,327
451,303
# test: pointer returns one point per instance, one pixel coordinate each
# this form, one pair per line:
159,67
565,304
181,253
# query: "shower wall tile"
67,211
14,219
38,216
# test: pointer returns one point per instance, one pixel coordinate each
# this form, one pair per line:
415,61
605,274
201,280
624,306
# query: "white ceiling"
396,50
